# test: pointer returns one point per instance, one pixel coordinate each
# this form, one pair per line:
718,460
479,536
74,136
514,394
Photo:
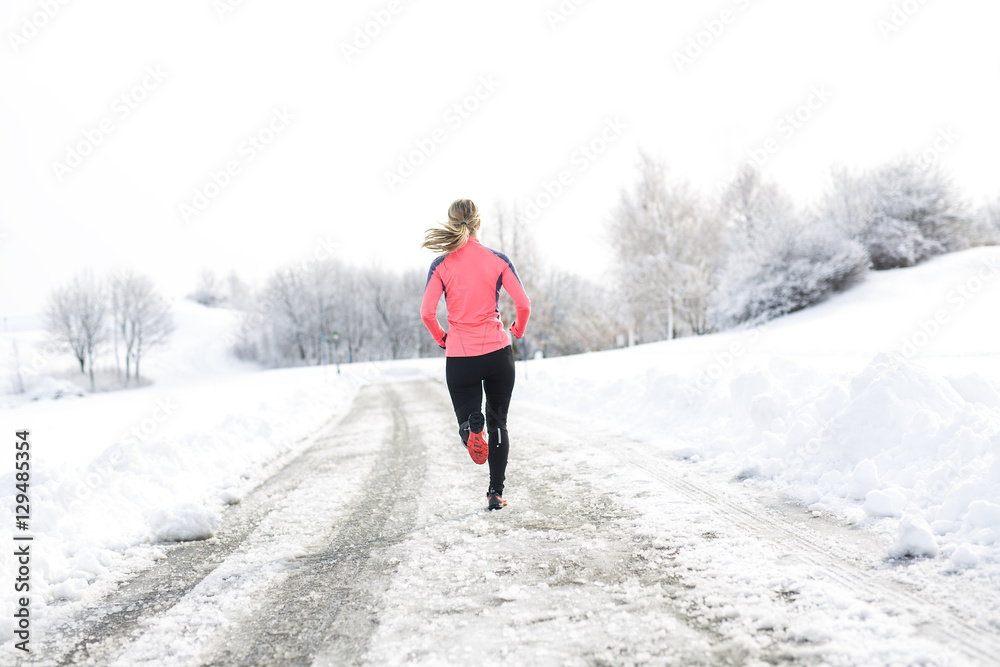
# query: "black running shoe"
495,501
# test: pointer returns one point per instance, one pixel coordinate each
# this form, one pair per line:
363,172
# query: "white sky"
323,175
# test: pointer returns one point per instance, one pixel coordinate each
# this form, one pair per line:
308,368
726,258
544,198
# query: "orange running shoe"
479,449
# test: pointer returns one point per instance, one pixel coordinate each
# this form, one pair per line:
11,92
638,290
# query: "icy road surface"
373,547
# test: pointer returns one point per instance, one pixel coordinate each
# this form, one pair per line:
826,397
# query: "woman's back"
470,279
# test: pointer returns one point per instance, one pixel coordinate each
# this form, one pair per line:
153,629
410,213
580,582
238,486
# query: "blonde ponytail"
463,224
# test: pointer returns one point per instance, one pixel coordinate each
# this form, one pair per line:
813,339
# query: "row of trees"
328,311
122,312
569,313
685,264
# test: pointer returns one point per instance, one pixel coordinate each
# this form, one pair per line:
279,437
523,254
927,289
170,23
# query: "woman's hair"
463,224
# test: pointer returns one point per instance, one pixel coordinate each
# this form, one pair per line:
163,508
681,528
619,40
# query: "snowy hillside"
879,404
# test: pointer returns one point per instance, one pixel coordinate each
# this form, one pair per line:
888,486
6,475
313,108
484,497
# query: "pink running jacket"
470,279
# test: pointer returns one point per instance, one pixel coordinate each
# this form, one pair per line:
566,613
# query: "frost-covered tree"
238,292
77,320
667,247
284,317
413,283
902,213
210,291
993,215
329,311
396,307
988,225
231,291
357,317
323,283
753,208
580,316
141,319
18,381
779,261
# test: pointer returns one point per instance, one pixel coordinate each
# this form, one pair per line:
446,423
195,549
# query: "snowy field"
876,412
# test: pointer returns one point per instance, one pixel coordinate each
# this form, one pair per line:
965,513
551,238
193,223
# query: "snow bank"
183,522
892,440
51,388
914,539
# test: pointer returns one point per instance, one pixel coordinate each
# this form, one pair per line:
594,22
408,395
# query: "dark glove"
444,341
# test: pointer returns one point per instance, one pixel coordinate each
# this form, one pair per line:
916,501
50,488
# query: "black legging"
467,378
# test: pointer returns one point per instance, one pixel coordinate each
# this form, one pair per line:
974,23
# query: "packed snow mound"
894,437
914,539
890,502
976,388
184,522
52,388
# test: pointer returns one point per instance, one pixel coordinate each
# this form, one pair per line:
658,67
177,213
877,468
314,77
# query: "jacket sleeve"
428,308
522,305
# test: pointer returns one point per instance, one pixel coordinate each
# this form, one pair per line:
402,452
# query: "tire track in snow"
105,628
969,636
977,641
559,577
327,607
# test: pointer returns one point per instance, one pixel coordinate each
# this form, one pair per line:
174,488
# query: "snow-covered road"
373,547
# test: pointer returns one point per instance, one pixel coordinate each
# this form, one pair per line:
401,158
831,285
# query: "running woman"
478,350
